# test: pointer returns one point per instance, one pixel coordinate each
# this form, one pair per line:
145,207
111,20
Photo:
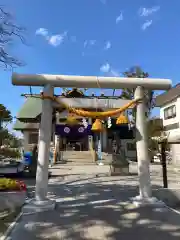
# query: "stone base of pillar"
100,163
34,206
138,201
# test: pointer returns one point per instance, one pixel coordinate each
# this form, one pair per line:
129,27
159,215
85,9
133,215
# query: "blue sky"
94,37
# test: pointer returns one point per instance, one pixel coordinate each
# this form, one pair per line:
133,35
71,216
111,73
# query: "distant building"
169,103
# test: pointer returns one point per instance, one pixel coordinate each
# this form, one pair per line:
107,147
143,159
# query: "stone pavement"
91,205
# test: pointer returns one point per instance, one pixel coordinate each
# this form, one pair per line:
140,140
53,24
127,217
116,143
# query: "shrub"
10,152
7,184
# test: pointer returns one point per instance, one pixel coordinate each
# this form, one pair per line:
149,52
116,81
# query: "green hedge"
10,152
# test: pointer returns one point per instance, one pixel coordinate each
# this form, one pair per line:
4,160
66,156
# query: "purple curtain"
75,131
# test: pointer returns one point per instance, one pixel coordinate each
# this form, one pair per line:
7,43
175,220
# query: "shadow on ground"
94,208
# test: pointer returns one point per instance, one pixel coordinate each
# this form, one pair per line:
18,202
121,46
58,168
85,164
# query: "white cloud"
105,68
42,31
56,40
145,12
147,24
119,18
53,40
89,43
85,43
107,45
92,42
114,73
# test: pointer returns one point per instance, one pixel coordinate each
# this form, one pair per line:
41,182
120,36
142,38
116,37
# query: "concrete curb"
173,210
11,227
13,224
170,196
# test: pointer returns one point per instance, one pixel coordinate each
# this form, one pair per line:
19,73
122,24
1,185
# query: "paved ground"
92,205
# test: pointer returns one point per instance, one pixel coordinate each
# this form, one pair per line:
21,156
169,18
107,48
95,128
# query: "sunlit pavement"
92,205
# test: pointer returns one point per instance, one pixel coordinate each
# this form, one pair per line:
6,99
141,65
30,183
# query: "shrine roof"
20,126
30,110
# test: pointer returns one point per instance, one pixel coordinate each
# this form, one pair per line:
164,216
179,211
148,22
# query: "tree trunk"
114,92
1,140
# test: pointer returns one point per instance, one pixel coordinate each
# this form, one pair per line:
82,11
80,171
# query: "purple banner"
77,131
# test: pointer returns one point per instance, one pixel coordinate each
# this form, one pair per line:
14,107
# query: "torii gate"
51,81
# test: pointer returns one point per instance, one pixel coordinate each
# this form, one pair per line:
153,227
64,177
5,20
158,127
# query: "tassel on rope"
122,119
97,126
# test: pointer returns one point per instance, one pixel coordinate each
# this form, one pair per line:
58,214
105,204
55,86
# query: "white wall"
174,147
26,135
171,120
175,153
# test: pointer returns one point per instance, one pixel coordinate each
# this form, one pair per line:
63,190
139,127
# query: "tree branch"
9,32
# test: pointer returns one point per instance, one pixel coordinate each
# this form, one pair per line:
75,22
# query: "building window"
33,138
131,146
170,112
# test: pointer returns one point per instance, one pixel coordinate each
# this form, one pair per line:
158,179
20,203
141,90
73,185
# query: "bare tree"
9,32
137,72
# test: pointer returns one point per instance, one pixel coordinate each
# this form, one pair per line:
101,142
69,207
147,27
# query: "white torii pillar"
44,145
145,193
41,203
91,82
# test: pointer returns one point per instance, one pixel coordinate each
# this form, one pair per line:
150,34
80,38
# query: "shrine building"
74,133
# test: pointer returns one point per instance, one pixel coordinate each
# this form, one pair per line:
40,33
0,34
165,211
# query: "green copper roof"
19,125
25,126
31,109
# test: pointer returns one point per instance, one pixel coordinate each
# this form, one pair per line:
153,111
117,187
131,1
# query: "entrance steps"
83,157
77,157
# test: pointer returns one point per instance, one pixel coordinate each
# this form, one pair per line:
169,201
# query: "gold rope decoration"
71,120
88,114
84,113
